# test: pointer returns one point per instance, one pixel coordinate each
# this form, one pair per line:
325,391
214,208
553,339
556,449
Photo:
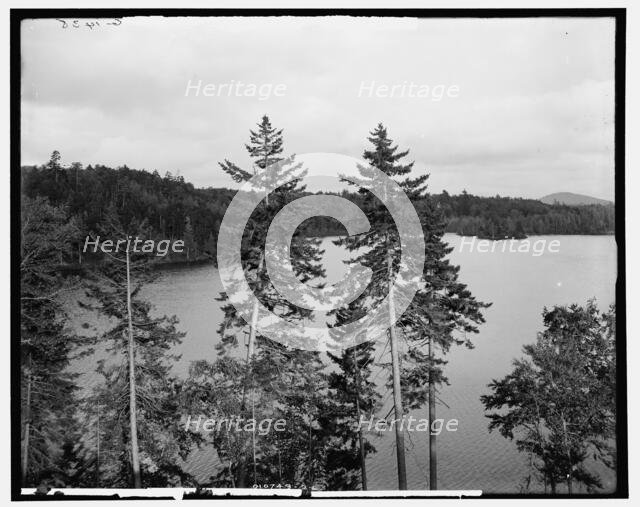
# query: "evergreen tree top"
265,144
385,156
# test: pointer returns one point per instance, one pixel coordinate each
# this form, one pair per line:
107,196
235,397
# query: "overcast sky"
533,115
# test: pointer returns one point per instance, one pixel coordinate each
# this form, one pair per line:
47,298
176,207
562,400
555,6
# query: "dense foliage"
48,389
471,215
559,402
175,209
172,208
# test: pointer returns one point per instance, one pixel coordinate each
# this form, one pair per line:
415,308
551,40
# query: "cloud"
534,113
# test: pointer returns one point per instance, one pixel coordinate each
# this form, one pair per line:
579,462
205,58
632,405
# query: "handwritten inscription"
88,23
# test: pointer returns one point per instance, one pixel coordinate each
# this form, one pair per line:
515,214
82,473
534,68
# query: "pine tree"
297,388
138,400
379,250
264,148
58,177
442,314
46,345
273,373
440,309
265,145
353,398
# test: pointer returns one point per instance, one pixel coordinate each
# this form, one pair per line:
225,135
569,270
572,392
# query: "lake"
519,284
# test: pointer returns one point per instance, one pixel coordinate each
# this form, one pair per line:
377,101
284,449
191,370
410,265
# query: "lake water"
518,284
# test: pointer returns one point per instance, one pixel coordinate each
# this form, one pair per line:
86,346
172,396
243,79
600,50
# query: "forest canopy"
175,209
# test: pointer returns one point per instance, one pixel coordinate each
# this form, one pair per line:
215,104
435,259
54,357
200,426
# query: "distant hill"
570,199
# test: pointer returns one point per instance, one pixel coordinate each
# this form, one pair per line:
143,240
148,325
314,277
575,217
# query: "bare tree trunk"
253,434
433,459
310,475
229,469
363,456
27,432
252,334
264,163
397,394
568,453
252,331
242,473
98,451
254,313
133,423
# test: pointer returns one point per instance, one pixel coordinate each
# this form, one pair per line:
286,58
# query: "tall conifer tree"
138,400
275,374
442,314
437,312
379,250
46,345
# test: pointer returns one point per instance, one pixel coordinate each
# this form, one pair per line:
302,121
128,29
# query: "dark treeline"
497,217
175,209
171,207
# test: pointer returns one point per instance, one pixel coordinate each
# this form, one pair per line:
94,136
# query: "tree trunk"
264,163
568,452
397,394
133,423
254,312
363,456
252,331
242,474
98,451
27,431
433,459
252,334
253,434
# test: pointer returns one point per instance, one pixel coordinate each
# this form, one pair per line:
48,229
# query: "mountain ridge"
572,199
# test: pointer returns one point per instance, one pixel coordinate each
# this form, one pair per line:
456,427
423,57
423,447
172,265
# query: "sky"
527,108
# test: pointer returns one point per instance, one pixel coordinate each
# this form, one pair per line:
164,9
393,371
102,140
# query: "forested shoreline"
175,209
